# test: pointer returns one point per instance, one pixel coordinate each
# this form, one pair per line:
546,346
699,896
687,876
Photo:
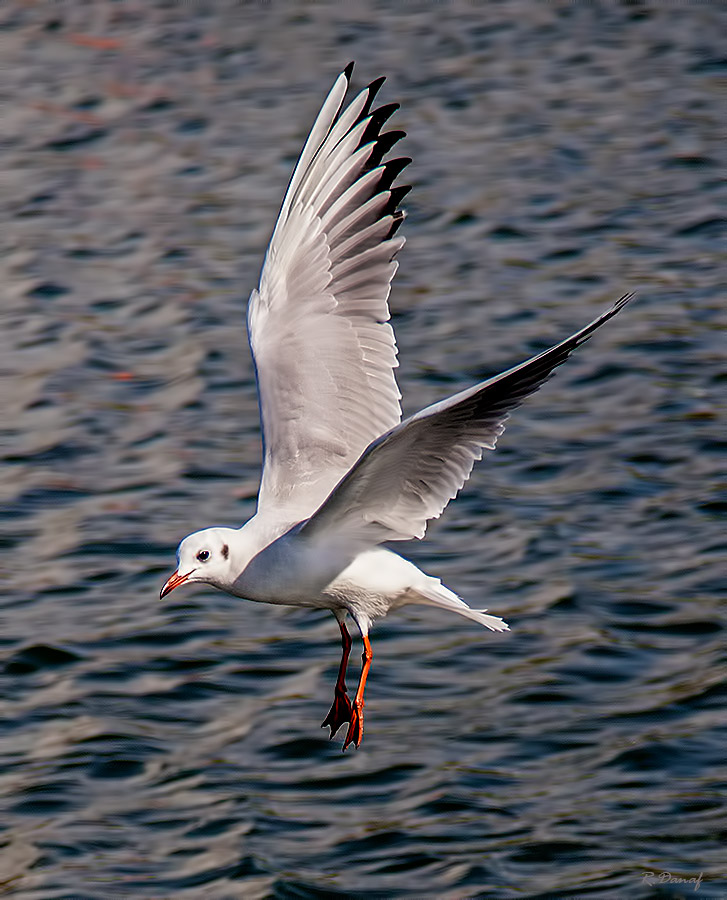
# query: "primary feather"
318,323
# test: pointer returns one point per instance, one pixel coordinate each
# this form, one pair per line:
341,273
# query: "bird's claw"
355,727
339,714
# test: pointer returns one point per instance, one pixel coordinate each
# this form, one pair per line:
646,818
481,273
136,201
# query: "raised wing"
410,474
318,324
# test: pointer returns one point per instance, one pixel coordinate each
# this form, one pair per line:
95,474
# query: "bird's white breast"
290,570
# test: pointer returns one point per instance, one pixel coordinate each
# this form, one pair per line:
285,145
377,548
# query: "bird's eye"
203,555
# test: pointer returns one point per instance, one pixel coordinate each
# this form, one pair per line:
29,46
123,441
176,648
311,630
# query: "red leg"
340,713
355,729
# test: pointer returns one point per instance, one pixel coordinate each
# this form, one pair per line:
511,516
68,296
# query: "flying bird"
341,472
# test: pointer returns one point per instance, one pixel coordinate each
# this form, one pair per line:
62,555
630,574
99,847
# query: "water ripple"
563,154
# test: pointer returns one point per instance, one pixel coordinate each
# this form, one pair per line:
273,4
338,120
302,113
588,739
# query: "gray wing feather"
410,474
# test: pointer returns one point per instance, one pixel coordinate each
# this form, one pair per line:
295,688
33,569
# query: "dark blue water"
563,154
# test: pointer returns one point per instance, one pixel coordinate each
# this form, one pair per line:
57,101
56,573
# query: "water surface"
563,154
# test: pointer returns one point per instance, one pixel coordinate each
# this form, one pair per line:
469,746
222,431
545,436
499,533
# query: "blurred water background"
564,153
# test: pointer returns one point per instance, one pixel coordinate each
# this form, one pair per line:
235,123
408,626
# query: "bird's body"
342,473
290,571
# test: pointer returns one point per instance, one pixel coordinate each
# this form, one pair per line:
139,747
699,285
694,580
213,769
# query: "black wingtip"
582,336
375,87
392,169
397,218
396,195
377,120
373,90
381,146
348,71
616,308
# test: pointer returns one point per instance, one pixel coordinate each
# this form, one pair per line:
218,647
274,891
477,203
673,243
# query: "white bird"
341,472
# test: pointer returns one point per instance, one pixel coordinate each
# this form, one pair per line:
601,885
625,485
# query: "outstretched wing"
318,323
410,474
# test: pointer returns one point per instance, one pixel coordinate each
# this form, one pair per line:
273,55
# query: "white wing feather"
318,324
410,474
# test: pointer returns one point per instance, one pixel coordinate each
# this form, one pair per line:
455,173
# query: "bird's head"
204,556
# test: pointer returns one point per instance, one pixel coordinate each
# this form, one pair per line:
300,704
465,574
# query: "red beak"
173,582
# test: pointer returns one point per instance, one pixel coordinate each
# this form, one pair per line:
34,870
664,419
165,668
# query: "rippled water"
563,154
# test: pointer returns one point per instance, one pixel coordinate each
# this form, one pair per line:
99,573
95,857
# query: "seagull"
342,473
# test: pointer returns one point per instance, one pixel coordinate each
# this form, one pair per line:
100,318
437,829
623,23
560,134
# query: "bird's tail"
431,592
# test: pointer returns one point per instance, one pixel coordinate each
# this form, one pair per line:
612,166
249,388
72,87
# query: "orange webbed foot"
355,727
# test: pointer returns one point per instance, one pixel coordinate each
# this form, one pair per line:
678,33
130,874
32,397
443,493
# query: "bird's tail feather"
433,593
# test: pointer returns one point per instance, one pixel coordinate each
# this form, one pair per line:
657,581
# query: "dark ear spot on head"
225,551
